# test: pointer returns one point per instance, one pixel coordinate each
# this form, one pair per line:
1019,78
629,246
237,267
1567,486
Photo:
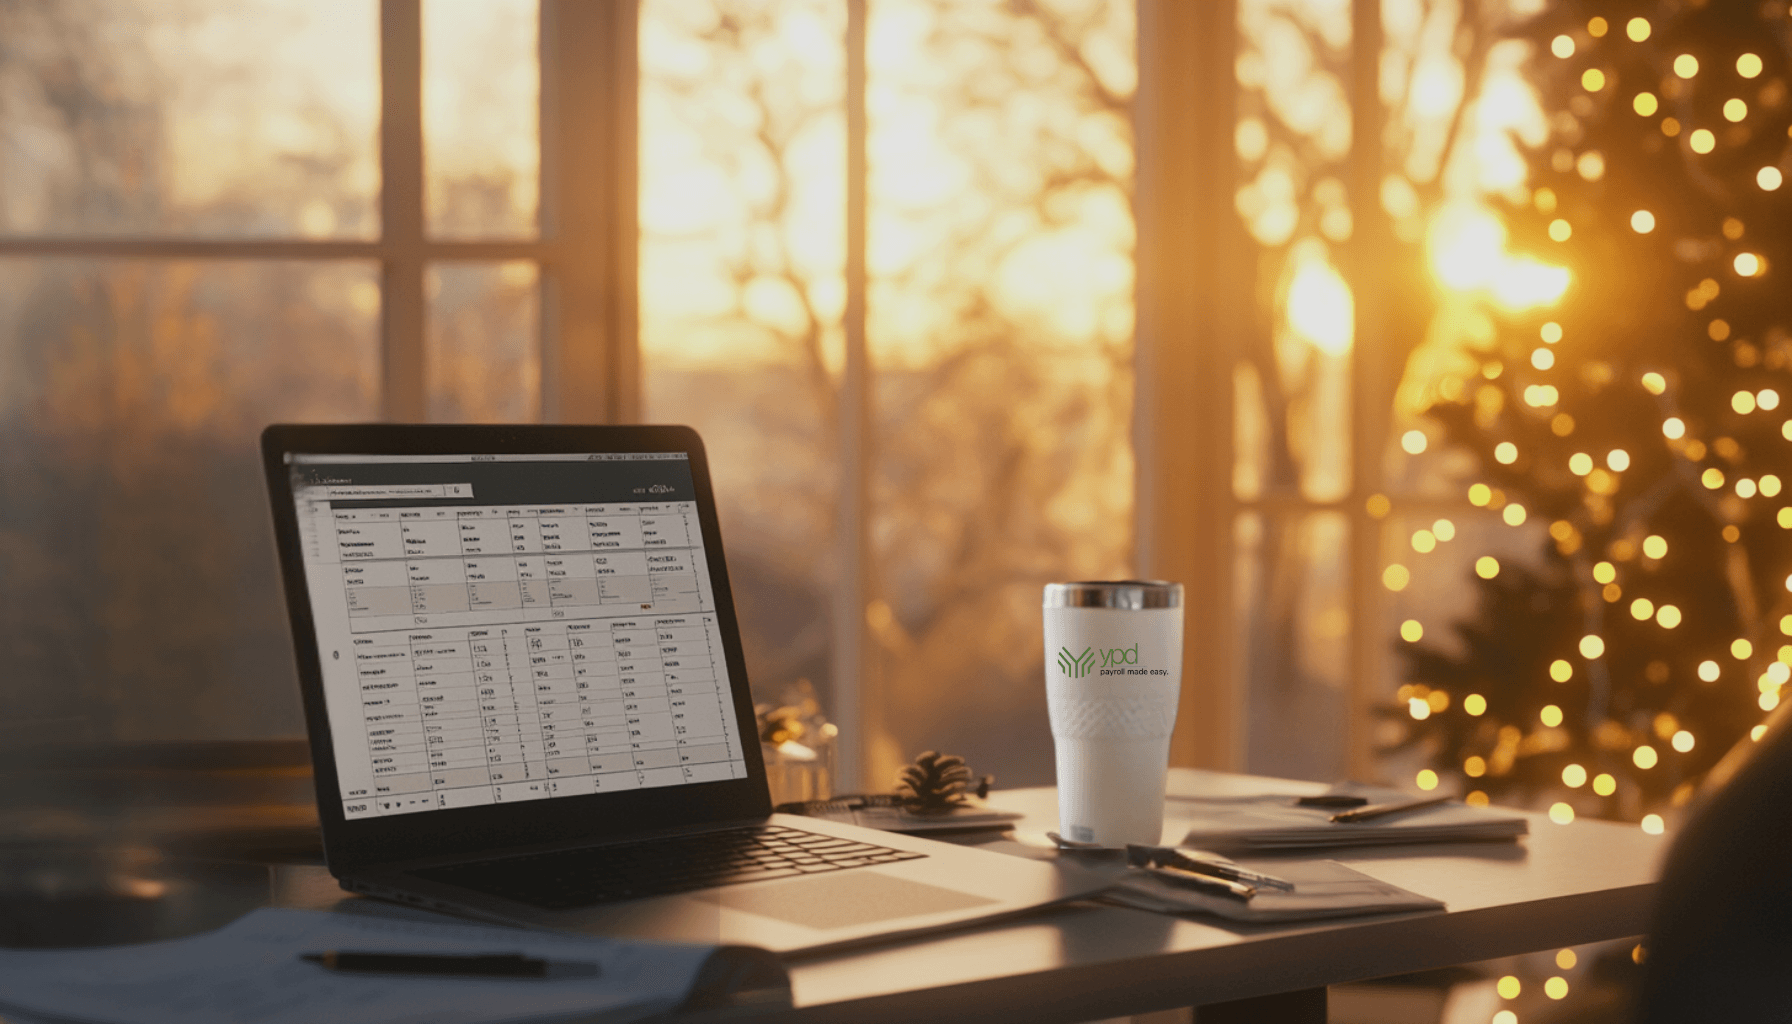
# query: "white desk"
1561,886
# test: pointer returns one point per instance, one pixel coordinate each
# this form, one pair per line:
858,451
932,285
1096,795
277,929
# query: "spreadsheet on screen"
498,628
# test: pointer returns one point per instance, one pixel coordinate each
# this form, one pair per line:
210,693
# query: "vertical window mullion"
856,695
589,193
401,209
1190,305
1370,396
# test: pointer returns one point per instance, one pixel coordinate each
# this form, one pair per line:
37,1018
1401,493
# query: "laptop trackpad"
847,898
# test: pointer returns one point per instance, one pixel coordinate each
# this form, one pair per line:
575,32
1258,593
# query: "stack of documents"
1279,822
254,969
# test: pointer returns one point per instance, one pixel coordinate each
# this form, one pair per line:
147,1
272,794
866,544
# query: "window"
217,215
884,254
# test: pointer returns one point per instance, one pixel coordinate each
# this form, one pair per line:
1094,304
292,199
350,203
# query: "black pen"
479,965
1380,810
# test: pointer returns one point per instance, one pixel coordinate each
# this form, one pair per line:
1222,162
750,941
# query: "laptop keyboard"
567,879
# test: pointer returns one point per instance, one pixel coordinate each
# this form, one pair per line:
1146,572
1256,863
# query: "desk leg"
1305,1007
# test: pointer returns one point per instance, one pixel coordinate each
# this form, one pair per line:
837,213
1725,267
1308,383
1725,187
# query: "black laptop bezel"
360,843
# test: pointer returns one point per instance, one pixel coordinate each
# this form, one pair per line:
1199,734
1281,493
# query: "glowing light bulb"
1745,488
1395,577
1768,399
1562,46
1574,776
1655,546
1645,757
1712,478
1591,646
1769,178
1480,494
1550,716
1654,383
1645,104
1743,402
1566,959
1735,110
1474,767
1637,29
1560,230
1418,709
1412,631
1709,670
1667,616
1508,987
1556,988
1427,779
1424,541
1561,813
1741,649
1487,567
1747,264
1551,332
1642,609
1580,463
1673,428
1686,65
1702,141
1682,741
1513,514
1605,785
1543,358
1561,671
1445,530
1748,65
1413,441
1618,459
1653,825
1604,572
1592,80
1505,453
1642,222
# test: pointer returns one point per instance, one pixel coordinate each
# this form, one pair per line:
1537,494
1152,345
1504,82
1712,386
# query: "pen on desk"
1170,857
481,965
1203,881
1381,810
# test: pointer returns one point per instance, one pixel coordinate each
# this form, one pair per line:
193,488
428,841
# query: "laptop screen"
503,628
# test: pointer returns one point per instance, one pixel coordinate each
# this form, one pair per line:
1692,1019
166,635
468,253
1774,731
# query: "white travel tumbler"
1113,673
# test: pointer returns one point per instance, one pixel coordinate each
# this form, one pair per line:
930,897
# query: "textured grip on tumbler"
1146,717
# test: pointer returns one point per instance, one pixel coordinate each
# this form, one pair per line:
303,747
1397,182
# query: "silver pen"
1170,857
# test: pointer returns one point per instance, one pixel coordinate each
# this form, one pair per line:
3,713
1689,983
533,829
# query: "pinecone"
934,782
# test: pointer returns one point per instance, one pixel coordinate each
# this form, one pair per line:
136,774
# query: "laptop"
527,702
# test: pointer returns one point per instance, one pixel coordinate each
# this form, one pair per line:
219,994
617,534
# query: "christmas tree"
1639,427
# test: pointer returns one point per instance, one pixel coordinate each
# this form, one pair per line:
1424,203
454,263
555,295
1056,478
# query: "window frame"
585,247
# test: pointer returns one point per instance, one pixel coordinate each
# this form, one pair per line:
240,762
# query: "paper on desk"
1276,822
250,970
1322,889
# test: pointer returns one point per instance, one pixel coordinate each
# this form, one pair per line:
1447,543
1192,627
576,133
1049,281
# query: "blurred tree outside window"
998,329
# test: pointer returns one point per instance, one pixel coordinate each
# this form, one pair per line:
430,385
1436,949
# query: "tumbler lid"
1132,595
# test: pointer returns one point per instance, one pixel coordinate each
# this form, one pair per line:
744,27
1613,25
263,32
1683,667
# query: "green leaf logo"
1076,666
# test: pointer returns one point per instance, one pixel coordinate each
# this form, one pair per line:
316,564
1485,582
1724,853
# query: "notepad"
251,970
1322,889
1276,822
